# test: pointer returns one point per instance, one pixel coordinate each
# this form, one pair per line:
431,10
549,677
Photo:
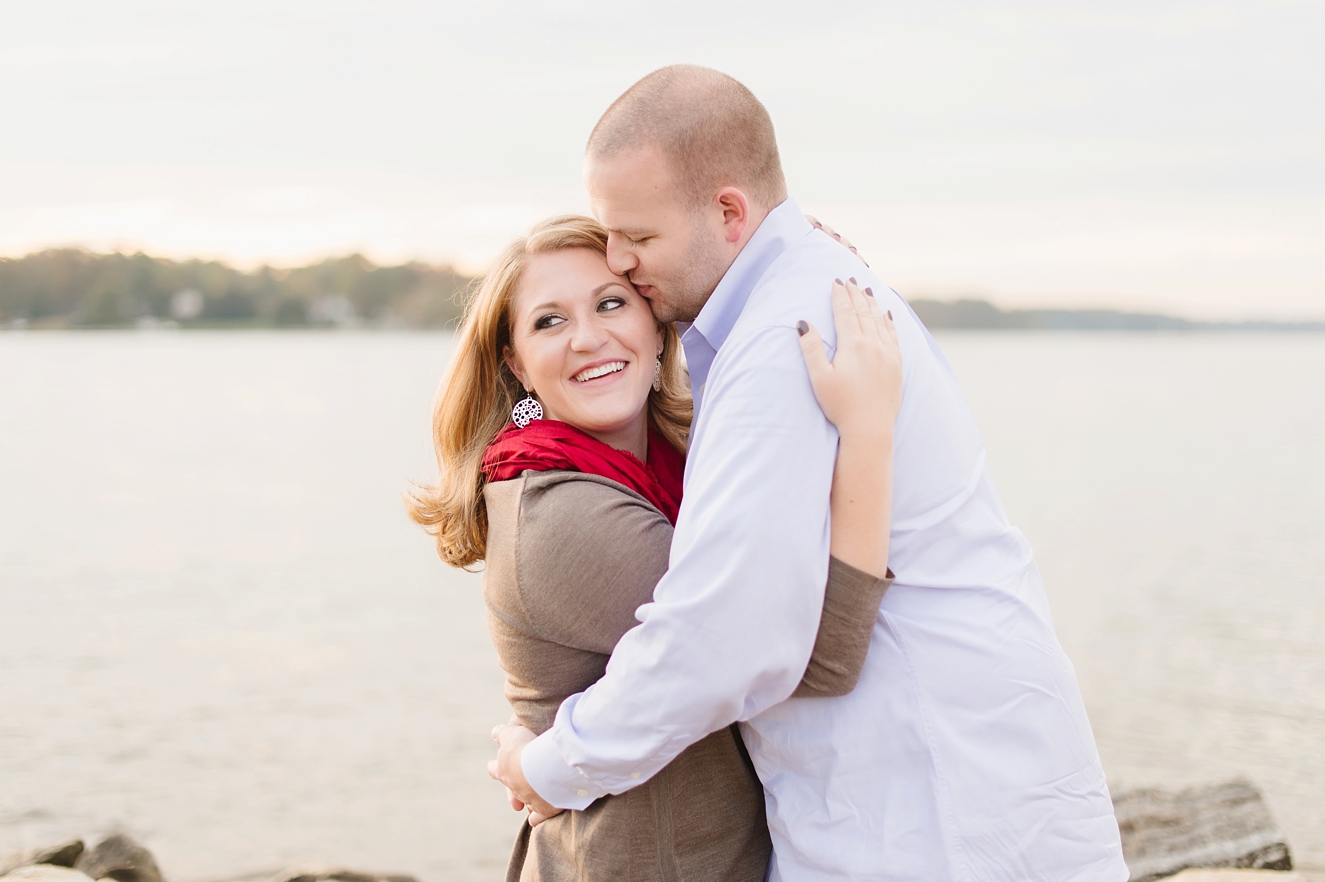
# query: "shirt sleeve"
734,620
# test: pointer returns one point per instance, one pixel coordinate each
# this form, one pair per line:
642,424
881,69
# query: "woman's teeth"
602,370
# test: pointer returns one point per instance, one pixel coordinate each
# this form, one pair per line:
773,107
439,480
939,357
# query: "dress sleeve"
589,554
851,606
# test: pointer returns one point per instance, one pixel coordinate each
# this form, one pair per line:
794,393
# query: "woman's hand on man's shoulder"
860,390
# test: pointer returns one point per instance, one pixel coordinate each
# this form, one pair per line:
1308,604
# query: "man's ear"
513,362
735,211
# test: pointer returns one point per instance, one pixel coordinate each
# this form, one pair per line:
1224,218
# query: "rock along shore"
1221,832
117,858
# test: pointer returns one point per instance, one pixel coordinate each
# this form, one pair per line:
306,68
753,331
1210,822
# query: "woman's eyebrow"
552,304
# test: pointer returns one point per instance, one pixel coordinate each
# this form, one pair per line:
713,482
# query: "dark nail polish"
869,292
837,281
890,315
853,280
802,328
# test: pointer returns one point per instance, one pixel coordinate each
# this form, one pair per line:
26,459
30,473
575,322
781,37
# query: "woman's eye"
547,321
611,303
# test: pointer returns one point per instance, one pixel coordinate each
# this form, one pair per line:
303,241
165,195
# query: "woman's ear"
662,338
513,362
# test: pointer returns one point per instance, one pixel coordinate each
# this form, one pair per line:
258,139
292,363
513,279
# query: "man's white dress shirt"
964,753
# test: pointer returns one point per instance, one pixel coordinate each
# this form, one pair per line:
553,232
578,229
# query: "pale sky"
1150,155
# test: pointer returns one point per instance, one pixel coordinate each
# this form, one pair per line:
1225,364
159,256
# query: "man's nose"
620,259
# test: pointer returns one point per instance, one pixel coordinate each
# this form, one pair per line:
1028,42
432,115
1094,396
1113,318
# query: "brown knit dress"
570,558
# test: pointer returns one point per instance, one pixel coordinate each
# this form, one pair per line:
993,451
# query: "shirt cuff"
553,779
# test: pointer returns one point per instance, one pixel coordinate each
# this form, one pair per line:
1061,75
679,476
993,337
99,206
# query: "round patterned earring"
657,374
526,410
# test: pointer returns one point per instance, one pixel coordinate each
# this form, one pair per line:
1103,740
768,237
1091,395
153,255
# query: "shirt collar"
781,227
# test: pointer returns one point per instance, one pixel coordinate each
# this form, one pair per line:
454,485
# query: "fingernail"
802,328
869,291
837,281
853,280
890,315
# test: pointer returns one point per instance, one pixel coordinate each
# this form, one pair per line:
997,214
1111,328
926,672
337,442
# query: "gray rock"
45,873
120,858
63,855
337,874
1216,825
1230,875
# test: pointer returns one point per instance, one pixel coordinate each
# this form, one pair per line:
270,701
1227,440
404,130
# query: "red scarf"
545,445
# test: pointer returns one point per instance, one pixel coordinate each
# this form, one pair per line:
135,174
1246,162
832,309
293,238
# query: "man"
964,752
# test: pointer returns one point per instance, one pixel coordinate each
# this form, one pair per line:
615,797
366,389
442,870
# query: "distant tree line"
74,288
983,315
67,287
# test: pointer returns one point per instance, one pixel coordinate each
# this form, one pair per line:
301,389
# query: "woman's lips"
598,371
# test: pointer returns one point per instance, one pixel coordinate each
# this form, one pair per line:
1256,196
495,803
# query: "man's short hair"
711,130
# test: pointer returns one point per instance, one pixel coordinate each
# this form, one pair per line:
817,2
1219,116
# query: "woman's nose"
588,336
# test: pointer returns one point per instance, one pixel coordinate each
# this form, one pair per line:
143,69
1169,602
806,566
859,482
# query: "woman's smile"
598,370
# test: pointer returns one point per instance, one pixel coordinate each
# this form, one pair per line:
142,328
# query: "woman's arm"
860,392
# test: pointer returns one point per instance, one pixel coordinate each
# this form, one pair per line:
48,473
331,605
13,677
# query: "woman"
570,497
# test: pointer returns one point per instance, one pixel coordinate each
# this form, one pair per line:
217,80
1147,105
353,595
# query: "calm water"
219,632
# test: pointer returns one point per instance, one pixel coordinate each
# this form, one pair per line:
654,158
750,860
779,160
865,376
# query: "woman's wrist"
863,461
867,429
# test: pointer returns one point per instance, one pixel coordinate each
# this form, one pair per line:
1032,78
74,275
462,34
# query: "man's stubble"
702,267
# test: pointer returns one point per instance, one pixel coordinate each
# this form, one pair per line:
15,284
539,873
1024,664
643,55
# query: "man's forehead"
632,211
635,164
634,181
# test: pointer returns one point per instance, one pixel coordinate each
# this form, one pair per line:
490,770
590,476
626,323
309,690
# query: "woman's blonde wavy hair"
478,391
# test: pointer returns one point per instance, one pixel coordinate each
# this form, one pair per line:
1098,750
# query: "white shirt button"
634,774
582,792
